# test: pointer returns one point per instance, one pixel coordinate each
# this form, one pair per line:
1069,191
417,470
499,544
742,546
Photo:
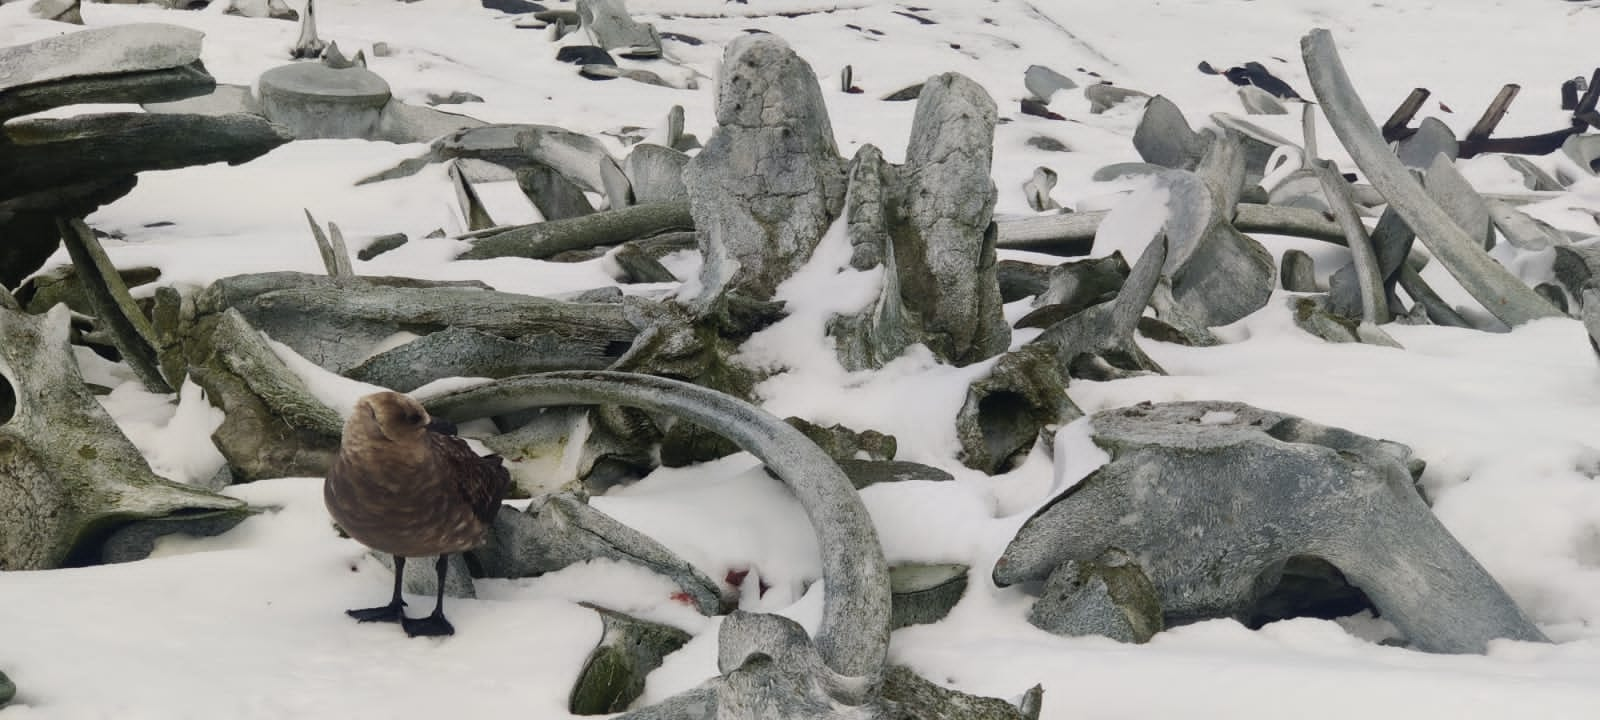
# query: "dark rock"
1290,489
1298,272
613,675
689,40
1103,97
909,92
1039,109
770,182
925,593
1108,596
584,55
513,7
1043,83
863,473
1047,144
1116,171
381,245
570,17
842,443
457,97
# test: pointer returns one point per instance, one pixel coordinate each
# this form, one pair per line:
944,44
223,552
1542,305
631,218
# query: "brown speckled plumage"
401,487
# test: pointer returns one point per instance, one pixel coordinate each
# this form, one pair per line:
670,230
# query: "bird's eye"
413,418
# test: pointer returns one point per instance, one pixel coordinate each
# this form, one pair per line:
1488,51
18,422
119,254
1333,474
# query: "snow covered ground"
249,624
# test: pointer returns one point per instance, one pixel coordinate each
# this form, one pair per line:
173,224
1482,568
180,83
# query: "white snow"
250,624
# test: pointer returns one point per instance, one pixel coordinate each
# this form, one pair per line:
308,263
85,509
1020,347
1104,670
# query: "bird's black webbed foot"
434,625
393,612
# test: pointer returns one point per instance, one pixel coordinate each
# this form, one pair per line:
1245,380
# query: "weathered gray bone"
1448,187
68,475
130,330
770,180
944,240
1098,343
139,62
1016,404
1071,234
1043,83
316,100
559,530
1164,137
308,45
1108,596
613,675
1214,498
574,155
610,26
48,153
272,426
1391,242
656,173
1491,284
854,634
1432,139
1369,278
1218,273
336,324
1038,188
612,227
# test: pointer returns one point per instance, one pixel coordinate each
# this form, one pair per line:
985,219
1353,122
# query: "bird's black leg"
434,624
393,612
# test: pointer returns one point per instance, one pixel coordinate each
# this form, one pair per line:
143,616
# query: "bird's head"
387,415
